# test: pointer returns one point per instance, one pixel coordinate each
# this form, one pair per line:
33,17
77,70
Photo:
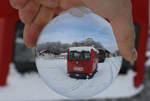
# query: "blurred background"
19,79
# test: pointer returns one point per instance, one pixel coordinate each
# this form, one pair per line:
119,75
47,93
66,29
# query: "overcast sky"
73,29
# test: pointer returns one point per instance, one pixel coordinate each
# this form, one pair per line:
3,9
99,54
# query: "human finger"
18,4
32,31
125,36
29,12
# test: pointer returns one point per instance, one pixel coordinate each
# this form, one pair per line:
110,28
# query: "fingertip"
28,42
29,45
130,55
31,33
134,55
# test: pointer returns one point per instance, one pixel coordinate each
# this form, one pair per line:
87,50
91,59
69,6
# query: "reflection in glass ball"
77,54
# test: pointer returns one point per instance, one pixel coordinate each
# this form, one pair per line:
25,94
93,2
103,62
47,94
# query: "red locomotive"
82,62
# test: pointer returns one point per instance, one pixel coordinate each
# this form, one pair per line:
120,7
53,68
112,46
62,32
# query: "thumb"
33,30
125,36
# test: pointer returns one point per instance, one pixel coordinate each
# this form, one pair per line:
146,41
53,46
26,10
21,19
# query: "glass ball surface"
75,54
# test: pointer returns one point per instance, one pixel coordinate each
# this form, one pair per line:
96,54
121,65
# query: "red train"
82,62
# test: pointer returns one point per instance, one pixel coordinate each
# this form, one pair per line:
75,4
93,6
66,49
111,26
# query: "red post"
8,18
140,16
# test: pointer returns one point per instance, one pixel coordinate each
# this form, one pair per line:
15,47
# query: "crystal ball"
77,54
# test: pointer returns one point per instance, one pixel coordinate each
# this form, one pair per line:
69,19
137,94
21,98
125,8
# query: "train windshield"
84,55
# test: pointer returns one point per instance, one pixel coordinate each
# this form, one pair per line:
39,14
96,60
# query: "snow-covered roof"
63,54
83,48
44,51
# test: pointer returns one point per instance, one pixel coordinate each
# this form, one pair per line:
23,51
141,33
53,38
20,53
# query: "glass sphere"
77,54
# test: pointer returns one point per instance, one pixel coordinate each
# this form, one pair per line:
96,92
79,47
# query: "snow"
148,59
25,87
19,40
84,48
54,74
63,54
148,62
31,87
122,87
148,53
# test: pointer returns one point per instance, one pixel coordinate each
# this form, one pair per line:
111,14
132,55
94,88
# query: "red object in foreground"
82,62
140,16
8,18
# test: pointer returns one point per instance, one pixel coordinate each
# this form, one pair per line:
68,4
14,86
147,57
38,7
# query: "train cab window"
86,55
73,55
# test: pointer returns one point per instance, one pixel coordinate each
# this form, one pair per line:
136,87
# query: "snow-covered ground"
54,73
148,59
31,87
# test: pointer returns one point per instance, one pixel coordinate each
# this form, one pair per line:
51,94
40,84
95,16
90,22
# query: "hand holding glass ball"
36,14
77,55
